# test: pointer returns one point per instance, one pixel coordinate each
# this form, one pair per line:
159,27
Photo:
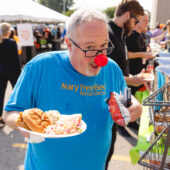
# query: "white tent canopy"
28,11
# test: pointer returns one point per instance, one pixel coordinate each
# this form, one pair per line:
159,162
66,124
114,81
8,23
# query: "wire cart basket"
157,156
159,102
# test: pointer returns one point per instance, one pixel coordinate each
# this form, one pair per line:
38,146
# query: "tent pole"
64,6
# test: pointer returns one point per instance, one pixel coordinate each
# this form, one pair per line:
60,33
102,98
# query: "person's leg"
13,77
111,151
123,132
3,85
53,45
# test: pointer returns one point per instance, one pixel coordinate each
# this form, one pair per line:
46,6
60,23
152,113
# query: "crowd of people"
47,38
162,35
89,34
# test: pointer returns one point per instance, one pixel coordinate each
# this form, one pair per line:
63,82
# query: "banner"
25,34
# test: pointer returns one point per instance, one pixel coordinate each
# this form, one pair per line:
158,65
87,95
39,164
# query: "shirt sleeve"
22,96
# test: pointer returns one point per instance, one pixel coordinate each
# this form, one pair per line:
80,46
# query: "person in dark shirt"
119,55
127,15
51,40
136,44
9,62
37,36
58,33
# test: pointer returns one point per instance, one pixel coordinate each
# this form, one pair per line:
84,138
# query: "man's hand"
135,109
118,111
137,80
148,55
10,119
120,114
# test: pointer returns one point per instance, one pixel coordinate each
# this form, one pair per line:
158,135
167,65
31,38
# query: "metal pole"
167,145
64,6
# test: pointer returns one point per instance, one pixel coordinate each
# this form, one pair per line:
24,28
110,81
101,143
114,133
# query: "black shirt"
135,43
9,54
119,54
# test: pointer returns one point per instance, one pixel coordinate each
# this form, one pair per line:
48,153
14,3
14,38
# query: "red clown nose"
101,60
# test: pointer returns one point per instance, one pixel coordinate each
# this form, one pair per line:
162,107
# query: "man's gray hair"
4,30
83,15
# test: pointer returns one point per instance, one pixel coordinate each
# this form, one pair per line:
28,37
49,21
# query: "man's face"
92,35
129,25
144,23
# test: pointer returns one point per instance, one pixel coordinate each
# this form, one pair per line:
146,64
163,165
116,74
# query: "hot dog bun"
36,119
33,119
20,122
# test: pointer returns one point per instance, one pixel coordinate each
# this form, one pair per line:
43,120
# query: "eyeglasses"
136,20
93,53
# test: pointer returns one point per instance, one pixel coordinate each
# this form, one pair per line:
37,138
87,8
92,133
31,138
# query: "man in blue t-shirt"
73,81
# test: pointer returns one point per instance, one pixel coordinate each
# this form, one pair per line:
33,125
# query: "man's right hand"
10,119
149,55
138,79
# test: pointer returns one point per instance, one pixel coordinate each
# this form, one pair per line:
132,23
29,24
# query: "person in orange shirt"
16,38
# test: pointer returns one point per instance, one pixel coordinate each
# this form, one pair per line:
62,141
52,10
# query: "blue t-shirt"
49,82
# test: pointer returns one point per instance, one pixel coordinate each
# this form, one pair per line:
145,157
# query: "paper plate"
149,77
36,137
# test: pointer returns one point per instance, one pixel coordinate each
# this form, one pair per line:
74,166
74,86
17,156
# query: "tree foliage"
110,12
69,12
57,5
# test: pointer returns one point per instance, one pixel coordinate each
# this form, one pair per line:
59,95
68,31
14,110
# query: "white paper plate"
149,77
36,137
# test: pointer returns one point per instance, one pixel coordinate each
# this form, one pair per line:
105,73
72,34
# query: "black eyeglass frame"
98,51
136,20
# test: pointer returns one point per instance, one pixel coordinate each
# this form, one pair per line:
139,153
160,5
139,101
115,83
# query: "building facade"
160,12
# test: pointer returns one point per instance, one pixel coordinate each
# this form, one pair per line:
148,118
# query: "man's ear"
127,15
68,43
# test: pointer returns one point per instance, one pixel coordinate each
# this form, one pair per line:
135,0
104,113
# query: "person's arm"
132,81
10,118
137,80
160,37
146,55
135,109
